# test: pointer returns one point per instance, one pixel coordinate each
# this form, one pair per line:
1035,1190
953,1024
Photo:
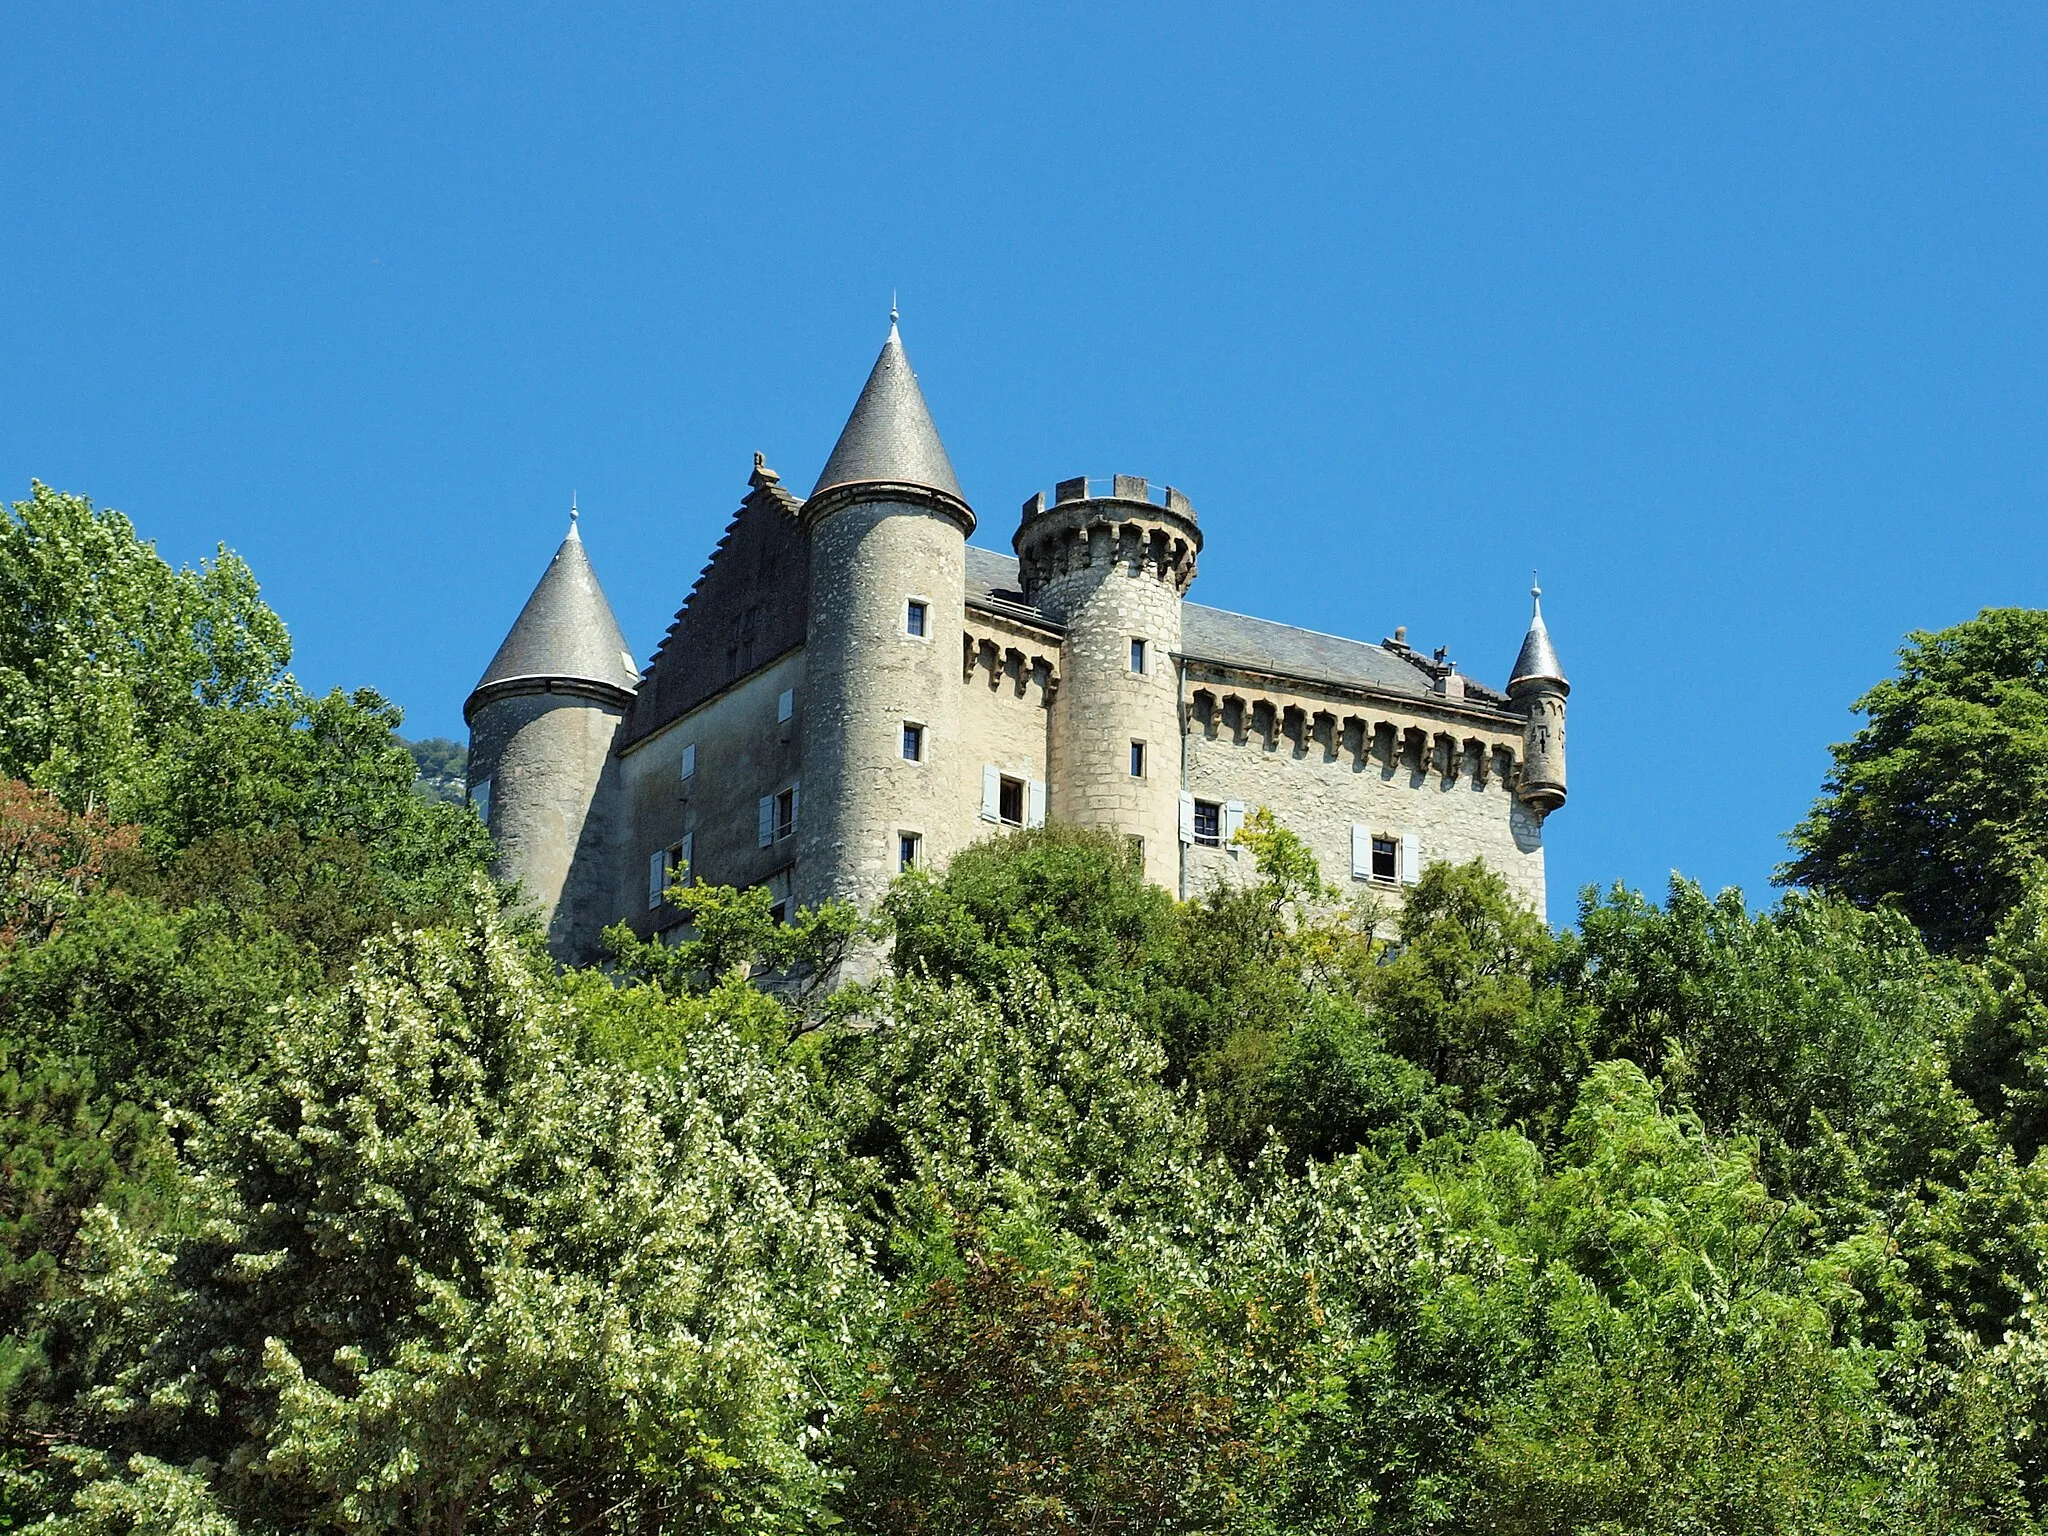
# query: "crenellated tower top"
1089,526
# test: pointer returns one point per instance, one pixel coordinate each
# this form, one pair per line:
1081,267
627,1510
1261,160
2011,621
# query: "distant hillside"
443,766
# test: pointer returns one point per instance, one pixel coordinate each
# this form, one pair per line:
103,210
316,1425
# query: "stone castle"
851,689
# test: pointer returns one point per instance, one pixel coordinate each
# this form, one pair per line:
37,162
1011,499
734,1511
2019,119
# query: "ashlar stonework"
852,688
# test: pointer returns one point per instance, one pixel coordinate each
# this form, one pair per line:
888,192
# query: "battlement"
1092,527
1115,488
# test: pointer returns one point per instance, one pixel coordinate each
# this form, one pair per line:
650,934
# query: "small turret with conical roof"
541,723
1538,686
888,529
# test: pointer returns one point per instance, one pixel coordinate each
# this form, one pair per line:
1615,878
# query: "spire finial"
573,514
892,311
1536,592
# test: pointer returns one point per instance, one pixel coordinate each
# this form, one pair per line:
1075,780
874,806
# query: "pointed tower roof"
889,439
566,634
1538,661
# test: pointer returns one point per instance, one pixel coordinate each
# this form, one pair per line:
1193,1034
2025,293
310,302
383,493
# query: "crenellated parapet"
995,659
1392,742
1091,528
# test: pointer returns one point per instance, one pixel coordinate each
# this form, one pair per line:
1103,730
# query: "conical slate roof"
566,631
890,438
1538,659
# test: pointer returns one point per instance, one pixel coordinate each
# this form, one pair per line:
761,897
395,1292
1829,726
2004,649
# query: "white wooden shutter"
688,849
785,704
1361,851
657,877
689,761
767,820
796,795
1187,818
1034,809
1411,858
991,792
1233,820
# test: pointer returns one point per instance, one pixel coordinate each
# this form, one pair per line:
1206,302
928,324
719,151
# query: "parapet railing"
1111,487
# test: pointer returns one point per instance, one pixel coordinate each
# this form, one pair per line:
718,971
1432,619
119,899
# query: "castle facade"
852,689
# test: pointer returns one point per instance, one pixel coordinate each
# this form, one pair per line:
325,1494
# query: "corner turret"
888,527
1537,686
541,722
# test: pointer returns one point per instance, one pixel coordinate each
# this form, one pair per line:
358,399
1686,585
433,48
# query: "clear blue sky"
1729,317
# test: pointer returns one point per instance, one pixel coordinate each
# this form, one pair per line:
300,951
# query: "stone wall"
1322,761
553,807
866,675
1009,674
742,753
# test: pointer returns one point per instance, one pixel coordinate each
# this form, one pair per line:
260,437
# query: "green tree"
443,1271
1940,802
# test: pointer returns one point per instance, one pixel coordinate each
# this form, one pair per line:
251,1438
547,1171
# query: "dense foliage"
1939,804
327,1202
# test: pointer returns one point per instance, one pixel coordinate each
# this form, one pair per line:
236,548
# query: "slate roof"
566,631
1237,640
890,437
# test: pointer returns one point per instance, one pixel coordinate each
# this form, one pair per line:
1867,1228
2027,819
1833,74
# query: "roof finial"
1536,592
892,311
573,513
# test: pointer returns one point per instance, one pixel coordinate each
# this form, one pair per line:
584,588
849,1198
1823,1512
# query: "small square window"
689,761
1208,823
1383,867
913,742
914,616
1010,802
1137,656
909,849
1137,759
779,913
785,814
785,704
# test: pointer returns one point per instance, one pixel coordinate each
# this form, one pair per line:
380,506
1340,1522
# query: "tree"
1940,802
440,1270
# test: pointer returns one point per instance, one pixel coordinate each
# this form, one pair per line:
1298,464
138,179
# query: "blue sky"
1730,318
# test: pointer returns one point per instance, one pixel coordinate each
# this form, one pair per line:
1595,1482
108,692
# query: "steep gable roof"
746,609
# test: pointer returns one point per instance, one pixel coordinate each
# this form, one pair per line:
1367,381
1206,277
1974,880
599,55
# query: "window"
779,913
689,761
909,846
913,742
1209,823
785,704
1010,803
778,816
480,797
1383,865
667,867
914,617
1137,759
1137,655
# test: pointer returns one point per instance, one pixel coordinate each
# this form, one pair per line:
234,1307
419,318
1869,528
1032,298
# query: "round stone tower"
1113,570
541,723
1537,687
888,530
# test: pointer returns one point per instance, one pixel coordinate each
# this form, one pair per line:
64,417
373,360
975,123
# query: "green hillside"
329,1203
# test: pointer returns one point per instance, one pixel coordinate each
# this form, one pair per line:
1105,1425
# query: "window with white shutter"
685,861
1187,818
1411,858
1233,821
785,704
689,761
991,792
1034,814
767,809
657,877
1361,851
